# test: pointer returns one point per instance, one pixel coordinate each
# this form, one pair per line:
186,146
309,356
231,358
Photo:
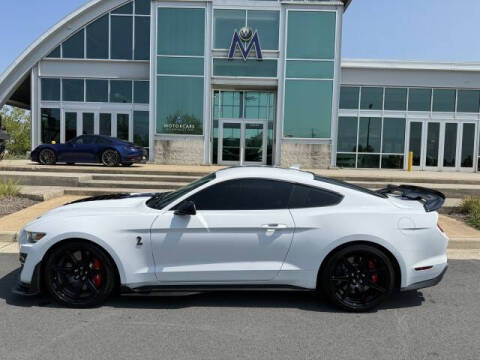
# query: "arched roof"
19,70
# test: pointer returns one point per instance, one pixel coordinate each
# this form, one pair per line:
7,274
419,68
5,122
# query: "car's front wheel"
110,158
358,277
79,274
47,157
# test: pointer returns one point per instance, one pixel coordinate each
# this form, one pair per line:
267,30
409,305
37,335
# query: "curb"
8,236
464,243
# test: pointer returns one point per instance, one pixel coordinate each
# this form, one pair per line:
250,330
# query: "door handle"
274,226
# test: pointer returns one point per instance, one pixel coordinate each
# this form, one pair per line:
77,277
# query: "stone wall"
186,151
308,156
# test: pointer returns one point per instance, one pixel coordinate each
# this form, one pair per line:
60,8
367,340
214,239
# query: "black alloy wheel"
47,157
79,274
111,158
358,278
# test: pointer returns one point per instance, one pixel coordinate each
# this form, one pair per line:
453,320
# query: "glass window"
88,139
226,22
141,92
244,194
468,101
73,48
393,136
249,68
140,128
175,38
307,197
50,125
372,98
450,145
368,161
97,39
419,99
304,27
310,69
266,24
346,160
179,105
102,140
120,91
121,38
415,145
97,90
142,7
468,140
51,89
70,125
55,53
392,162
180,66
106,124
349,97
122,126
369,135
73,90
444,100
308,108
347,134
125,9
142,38
433,141
88,123
232,104
395,99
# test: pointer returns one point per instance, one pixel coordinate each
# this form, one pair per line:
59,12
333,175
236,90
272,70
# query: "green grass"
9,188
470,207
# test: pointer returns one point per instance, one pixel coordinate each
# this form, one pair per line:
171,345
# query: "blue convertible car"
90,149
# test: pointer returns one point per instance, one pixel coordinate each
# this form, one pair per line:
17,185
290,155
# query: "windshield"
161,200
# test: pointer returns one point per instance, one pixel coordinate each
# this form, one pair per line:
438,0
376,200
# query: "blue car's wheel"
110,157
47,157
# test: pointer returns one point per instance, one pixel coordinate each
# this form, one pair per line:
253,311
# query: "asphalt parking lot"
437,323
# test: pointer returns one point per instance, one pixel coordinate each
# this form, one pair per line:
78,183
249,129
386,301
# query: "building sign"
245,40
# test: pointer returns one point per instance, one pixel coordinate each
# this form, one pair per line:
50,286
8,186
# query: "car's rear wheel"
111,158
47,157
79,274
358,277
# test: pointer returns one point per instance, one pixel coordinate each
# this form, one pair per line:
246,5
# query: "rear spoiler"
431,199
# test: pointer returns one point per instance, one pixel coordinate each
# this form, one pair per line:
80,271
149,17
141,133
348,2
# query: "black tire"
110,158
127,164
79,274
47,157
357,278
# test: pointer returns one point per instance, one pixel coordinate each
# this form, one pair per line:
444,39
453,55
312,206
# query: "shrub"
9,188
471,208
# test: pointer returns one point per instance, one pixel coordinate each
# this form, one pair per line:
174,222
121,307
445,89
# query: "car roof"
264,172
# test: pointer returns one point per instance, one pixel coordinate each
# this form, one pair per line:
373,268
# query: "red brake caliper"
97,278
371,266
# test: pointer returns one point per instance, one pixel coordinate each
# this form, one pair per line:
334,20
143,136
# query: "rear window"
348,185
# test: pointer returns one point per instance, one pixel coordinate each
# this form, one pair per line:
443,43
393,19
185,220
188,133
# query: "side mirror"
186,208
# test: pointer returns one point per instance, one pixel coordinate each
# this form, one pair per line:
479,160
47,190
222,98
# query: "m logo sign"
245,40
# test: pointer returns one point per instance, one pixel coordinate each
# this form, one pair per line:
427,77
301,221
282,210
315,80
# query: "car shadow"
304,300
133,166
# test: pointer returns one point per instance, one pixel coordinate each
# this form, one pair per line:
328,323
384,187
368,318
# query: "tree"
18,124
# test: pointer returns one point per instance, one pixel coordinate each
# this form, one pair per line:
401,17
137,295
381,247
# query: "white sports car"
239,228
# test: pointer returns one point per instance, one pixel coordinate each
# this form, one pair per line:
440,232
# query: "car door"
242,231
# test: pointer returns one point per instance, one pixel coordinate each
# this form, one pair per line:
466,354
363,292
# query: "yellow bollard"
410,160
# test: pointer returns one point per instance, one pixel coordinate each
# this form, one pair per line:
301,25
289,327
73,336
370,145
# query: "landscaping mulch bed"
11,204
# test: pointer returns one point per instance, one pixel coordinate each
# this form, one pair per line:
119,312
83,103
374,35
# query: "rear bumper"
426,283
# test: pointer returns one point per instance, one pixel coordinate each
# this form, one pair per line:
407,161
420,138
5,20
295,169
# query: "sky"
442,30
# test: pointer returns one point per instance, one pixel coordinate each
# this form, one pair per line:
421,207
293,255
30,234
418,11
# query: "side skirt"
207,288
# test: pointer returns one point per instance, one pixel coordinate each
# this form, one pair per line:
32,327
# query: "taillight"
440,228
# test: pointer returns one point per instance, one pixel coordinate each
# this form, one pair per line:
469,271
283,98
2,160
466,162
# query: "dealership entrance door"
243,123
443,144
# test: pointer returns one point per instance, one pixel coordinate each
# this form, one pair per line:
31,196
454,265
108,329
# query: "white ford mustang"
239,228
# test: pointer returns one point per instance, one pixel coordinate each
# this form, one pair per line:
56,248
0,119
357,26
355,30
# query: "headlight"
33,237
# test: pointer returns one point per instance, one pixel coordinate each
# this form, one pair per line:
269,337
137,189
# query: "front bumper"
426,283
32,289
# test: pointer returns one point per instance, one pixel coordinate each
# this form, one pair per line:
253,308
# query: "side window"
88,140
304,196
102,141
244,194
79,140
